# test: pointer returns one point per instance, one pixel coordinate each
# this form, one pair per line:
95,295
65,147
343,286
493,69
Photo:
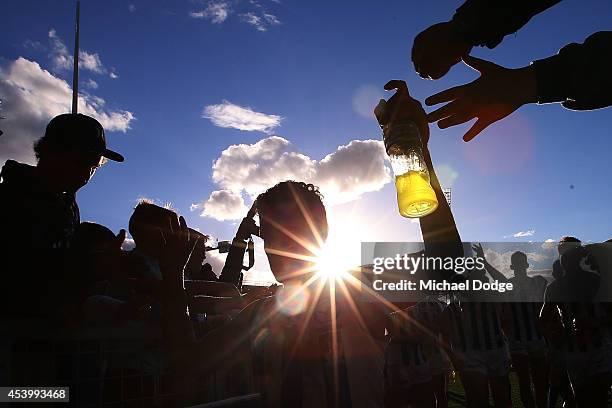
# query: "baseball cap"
80,132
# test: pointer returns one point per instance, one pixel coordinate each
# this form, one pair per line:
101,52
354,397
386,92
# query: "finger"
183,225
121,237
455,120
422,74
445,111
478,127
184,231
571,105
398,84
478,64
173,223
434,70
445,96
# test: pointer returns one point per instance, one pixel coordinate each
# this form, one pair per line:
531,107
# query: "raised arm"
493,271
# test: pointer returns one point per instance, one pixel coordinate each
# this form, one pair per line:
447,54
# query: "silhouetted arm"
493,271
440,235
439,227
232,269
487,22
579,75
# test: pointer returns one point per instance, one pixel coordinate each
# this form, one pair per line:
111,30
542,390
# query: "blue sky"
318,66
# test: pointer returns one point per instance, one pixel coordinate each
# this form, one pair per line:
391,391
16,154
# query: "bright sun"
330,263
341,251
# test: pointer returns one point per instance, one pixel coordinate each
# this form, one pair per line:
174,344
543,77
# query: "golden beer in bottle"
415,196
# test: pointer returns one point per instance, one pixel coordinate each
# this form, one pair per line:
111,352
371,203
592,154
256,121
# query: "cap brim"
114,156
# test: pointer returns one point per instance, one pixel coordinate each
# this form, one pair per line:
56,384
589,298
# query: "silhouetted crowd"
202,335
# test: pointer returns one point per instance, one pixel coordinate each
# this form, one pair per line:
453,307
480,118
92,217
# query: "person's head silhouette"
293,226
146,223
519,264
97,249
566,243
73,147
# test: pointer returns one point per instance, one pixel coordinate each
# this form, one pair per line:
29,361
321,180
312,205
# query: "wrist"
526,84
462,33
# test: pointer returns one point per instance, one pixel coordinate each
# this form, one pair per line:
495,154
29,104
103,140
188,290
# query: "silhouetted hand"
436,49
120,238
196,259
494,95
247,228
177,245
478,250
402,106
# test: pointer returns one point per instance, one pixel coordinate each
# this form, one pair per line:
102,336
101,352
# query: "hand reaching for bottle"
436,49
494,95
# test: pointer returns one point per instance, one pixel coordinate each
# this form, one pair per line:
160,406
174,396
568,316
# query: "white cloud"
502,261
353,169
251,12
254,20
31,97
229,115
216,11
549,244
342,176
63,60
131,8
128,244
113,75
222,205
522,234
90,83
271,19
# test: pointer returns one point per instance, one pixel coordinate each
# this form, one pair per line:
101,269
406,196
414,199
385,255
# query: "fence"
111,368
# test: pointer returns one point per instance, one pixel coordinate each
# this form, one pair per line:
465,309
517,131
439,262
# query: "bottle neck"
403,133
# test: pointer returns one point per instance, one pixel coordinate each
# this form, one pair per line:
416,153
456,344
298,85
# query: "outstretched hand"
494,95
177,245
436,49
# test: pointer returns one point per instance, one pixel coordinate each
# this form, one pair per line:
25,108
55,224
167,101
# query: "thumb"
478,64
398,84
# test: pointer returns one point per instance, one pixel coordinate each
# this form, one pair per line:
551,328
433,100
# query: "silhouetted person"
553,330
527,345
38,211
294,228
586,327
145,224
578,76
559,384
97,266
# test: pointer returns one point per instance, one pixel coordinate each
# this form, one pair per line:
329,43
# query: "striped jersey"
475,326
524,316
